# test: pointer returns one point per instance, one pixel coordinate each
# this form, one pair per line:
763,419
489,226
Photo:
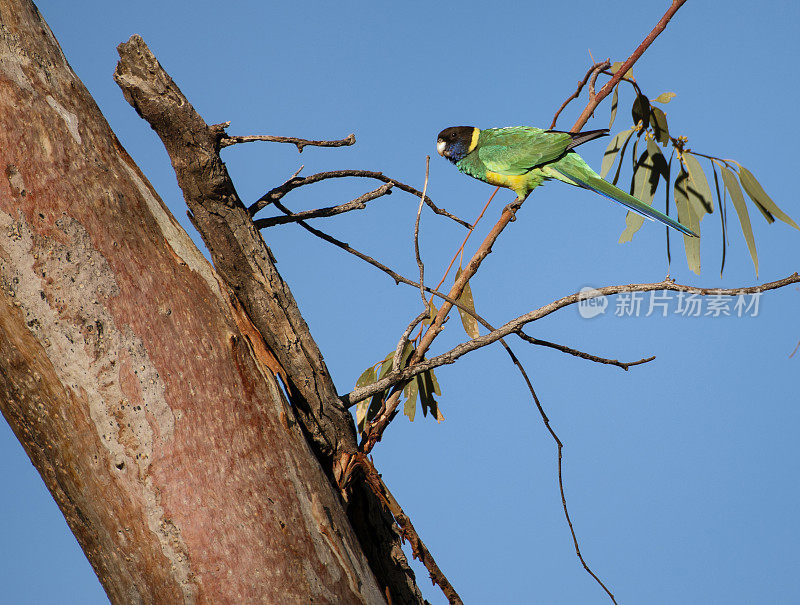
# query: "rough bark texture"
134,378
247,265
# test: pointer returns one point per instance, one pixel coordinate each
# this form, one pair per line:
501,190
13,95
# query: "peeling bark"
135,379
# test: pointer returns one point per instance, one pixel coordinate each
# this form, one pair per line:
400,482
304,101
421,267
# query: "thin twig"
378,426
795,350
399,279
560,447
588,356
362,463
420,264
228,140
401,344
278,192
592,70
516,324
609,86
357,204
466,239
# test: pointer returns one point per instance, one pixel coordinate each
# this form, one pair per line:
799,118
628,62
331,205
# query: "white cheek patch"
440,145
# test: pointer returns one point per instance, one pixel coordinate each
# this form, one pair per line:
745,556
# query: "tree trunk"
135,378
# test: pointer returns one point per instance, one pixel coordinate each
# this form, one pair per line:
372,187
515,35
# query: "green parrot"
520,158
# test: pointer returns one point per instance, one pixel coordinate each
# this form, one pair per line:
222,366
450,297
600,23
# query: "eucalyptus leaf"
699,191
721,218
643,187
435,382
732,185
687,216
430,389
664,97
760,197
410,406
622,154
615,145
641,111
615,68
367,377
424,394
361,414
432,311
614,103
658,120
468,321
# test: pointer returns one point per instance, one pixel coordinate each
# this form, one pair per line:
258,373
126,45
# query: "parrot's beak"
440,145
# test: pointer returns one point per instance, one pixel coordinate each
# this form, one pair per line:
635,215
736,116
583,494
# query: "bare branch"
609,86
357,204
553,345
516,324
362,463
592,72
416,234
560,447
278,192
228,140
379,425
399,279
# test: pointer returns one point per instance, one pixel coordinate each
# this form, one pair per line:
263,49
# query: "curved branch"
609,86
588,356
592,72
516,324
277,193
357,204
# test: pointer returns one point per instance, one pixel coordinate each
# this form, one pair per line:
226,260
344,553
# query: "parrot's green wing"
515,150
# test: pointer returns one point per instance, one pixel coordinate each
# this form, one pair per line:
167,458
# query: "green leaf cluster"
690,188
423,386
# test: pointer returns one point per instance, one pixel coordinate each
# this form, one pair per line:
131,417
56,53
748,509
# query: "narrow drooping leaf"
386,366
367,377
664,97
430,389
660,164
666,207
468,321
424,394
643,187
732,185
658,120
410,406
361,414
721,218
622,154
436,412
435,382
699,191
408,349
760,197
614,103
641,111
432,311
617,142
687,216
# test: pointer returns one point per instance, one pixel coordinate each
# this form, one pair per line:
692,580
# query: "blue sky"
680,474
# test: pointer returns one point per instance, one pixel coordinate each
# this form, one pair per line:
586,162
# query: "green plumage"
521,158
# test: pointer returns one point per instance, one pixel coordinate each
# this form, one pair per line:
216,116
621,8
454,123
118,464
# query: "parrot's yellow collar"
474,141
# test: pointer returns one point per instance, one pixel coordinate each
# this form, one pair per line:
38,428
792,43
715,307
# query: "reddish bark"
133,378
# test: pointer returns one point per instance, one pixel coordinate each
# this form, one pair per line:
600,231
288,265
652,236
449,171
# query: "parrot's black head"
456,142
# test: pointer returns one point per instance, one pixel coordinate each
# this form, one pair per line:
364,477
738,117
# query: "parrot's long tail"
603,187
